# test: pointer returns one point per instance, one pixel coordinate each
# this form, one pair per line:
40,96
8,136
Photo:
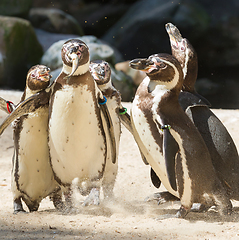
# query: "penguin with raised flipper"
79,149
169,140
32,176
220,144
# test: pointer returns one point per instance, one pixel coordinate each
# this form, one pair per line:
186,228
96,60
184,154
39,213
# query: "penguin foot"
161,197
93,198
182,212
199,207
19,211
17,206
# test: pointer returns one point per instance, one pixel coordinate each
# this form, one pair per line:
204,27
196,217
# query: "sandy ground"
127,217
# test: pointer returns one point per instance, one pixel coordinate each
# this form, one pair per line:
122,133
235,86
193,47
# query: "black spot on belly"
57,160
67,139
37,160
39,130
73,123
82,170
38,170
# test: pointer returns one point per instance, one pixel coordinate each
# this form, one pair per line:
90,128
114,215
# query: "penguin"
32,176
220,144
169,140
101,72
78,134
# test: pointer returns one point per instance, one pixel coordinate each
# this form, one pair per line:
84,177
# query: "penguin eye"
162,65
33,75
182,48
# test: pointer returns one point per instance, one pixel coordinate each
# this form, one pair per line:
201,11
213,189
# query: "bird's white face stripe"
80,70
185,68
170,85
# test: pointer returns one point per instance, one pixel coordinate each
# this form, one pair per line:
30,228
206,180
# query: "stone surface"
19,50
54,20
18,8
141,32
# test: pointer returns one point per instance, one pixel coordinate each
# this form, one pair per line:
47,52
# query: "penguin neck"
82,69
105,86
29,92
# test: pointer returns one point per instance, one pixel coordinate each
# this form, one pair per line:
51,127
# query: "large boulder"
54,20
18,8
19,50
141,32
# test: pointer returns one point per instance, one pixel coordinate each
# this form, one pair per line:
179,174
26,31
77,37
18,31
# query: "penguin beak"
174,34
44,74
145,65
75,62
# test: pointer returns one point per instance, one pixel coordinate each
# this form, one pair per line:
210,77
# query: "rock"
19,50
98,50
141,32
54,20
124,84
98,18
46,39
18,8
137,76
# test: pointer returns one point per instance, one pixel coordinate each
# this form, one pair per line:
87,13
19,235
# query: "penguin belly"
32,174
151,149
76,137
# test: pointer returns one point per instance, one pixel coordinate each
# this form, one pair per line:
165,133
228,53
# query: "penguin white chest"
154,153
33,166
76,137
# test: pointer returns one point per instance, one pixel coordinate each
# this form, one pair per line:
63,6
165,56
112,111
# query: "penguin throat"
30,92
82,69
105,86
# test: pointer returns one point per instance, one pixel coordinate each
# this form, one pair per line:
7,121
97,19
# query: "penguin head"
75,56
162,68
38,78
101,72
185,54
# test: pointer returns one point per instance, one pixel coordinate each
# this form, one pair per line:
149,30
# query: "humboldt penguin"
169,140
220,144
101,73
32,176
78,134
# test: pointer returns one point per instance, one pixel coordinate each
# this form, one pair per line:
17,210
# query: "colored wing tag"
6,106
170,149
27,106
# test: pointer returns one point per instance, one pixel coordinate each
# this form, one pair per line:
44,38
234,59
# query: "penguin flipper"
110,127
24,107
155,179
187,100
126,120
170,149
